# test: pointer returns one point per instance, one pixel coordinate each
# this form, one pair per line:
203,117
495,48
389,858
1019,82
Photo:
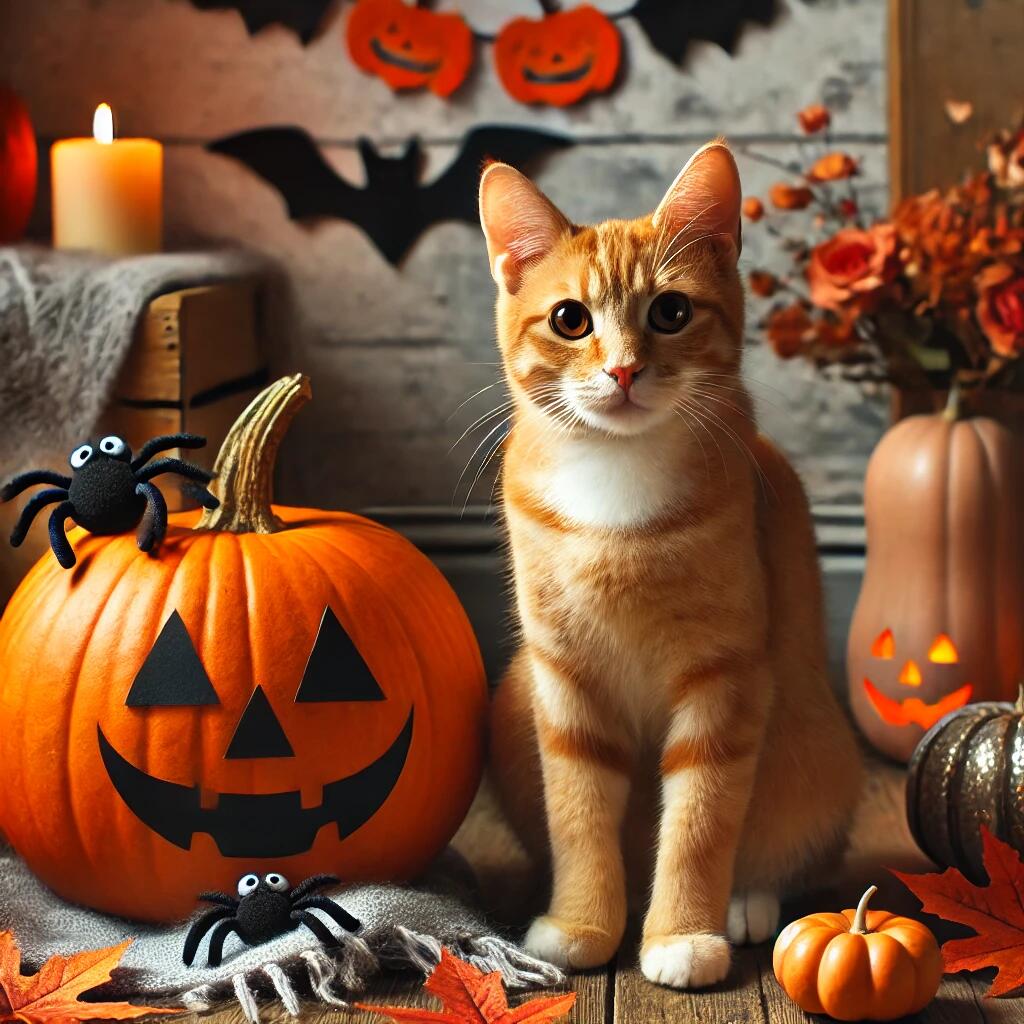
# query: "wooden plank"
948,50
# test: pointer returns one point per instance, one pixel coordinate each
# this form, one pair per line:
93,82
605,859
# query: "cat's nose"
625,375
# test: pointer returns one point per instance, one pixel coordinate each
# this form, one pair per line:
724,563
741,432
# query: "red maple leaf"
995,912
51,994
472,997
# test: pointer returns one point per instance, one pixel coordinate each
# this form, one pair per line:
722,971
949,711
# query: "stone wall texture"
393,352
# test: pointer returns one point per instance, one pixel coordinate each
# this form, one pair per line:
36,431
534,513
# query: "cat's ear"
705,199
520,223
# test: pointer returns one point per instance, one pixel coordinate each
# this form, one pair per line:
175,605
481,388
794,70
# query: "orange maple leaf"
995,912
472,997
52,993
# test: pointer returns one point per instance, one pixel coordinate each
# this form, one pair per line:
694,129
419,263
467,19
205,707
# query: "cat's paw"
565,944
685,961
753,917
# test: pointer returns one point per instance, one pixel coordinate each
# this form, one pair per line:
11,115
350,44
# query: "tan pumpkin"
937,623
858,965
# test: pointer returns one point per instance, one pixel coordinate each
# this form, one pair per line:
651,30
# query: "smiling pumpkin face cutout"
282,689
410,47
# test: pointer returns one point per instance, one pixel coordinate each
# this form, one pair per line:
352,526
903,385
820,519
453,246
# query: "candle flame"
103,124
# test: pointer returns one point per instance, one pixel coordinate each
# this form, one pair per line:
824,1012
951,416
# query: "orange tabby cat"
666,581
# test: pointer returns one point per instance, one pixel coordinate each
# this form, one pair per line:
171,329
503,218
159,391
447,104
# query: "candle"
107,193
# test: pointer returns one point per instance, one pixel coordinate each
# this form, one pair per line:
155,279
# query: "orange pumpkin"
281,689
18,165
858,965
937,623
410,47
560,58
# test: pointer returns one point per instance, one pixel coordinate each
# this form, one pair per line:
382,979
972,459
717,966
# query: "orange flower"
814,118
762,284
833,167
1000,307
790,197
753,208
1006,159
852,265
788,329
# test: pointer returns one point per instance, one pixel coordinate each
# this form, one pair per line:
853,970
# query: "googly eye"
112,445
276,882
247,884
80,456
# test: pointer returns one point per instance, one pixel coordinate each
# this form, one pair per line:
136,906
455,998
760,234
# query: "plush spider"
266,907
108,491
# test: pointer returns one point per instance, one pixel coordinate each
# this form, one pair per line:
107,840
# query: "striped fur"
667,588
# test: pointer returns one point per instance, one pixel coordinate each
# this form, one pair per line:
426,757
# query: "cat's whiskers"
476,394
499,410
682,405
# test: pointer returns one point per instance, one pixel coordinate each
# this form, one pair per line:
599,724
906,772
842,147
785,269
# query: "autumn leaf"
471,997
790,197
995,912
833,167
52,993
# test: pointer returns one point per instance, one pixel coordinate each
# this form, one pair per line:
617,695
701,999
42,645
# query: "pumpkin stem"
861,916
244,470
954,401
1019,706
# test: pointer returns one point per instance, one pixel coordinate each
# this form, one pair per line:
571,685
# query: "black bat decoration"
395,207
303,17
671,25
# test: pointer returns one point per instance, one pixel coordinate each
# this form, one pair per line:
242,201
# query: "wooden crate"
949,50
196,361
195,364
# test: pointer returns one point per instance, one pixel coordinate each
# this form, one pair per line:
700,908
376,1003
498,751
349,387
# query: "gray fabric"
402,926
67,320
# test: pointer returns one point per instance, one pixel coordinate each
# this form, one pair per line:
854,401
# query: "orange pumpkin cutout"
18,166
410,47
281,689
559,59
937,622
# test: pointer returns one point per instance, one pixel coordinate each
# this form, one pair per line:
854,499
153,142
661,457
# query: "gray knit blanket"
67,320
402,927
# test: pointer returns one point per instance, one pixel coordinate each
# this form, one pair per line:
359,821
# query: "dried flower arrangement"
931,296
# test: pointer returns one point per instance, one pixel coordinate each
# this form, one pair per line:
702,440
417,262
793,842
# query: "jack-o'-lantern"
282,689
18,160
560,58
410,47
938,620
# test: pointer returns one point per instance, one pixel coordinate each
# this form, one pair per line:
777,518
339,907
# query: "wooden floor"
619,994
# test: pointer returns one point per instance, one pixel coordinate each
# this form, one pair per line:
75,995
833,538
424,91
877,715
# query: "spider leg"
199,928
58,538
311,884
220,933
185,469
199,493
338,914
220,898
154,519
38,502
160,444
15,486
316,926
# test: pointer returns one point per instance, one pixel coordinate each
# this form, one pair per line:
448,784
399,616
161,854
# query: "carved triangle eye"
172,674
336,670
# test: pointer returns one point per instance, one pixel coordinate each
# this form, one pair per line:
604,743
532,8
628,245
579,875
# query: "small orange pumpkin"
410,47
282,689
560,58
18,165
858,965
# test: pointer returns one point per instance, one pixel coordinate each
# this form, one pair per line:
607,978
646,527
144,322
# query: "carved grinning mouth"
257,825
913,710
406,63
558,77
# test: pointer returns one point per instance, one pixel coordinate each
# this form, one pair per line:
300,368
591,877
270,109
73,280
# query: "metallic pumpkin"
966,772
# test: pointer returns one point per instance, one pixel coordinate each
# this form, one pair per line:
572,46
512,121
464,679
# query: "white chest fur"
615,482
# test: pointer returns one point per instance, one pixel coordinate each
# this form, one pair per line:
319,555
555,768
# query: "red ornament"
18,164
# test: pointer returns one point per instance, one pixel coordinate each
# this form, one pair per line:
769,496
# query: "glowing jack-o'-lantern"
410,47
939,619
282,689
559,59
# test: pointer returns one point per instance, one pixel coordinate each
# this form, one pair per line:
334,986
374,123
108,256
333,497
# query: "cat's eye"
571,319
670,312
